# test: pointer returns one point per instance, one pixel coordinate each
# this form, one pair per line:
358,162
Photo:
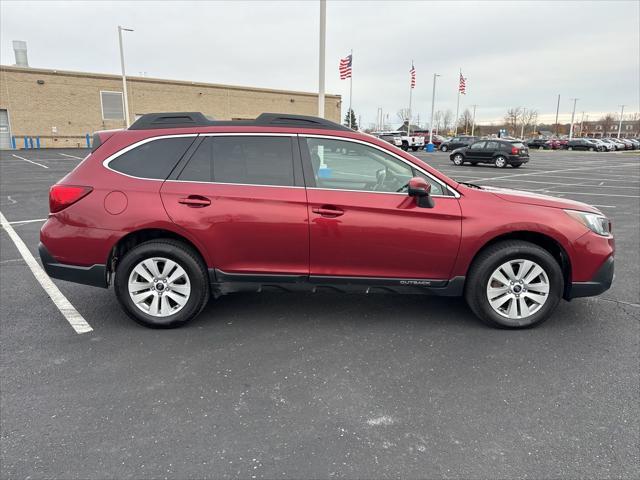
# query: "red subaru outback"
178,207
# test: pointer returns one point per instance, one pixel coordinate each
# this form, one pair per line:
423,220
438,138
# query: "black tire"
458,159
444,148
500,161
415,149
184,256
591,149
405,146
488,260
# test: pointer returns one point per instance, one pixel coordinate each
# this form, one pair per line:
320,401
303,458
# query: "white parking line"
71,156
77,321
22,222
30,161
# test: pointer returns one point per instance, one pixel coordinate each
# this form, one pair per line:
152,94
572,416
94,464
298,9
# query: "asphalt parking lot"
299,386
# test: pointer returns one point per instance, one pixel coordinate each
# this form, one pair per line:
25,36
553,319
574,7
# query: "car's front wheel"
162,283
458,159
514,284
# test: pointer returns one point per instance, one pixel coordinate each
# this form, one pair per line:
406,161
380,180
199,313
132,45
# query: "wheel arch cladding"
540,239
137,237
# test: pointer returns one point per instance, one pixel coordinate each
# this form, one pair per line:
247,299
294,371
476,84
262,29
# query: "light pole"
620,124
473,122
323,40
557,112
433,103
124,77
582,125
573,114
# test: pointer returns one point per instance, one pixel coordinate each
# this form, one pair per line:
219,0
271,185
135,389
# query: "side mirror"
419,188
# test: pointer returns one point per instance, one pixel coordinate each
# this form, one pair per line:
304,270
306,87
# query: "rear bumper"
94,275
601,282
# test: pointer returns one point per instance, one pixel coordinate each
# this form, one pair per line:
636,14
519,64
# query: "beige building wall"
62,107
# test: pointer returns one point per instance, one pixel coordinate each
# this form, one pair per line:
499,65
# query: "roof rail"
197,119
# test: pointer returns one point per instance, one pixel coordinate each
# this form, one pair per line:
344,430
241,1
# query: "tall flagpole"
351,90
410,94
321,53
457,106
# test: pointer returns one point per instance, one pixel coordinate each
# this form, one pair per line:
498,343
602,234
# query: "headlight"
593,221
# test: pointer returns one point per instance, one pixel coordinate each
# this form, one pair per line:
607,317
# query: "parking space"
302,385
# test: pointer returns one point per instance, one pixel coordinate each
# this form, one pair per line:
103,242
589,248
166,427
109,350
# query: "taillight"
62,196
514,151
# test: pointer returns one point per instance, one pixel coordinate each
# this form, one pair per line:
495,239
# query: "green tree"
353,124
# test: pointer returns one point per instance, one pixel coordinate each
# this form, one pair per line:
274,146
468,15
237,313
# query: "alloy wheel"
518,289
159,286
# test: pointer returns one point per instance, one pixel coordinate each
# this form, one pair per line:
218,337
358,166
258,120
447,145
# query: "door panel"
246,228
382,235
357,232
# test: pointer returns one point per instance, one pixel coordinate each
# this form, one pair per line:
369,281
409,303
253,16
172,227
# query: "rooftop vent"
20,50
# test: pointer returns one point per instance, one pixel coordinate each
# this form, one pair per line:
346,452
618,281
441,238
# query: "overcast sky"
513,53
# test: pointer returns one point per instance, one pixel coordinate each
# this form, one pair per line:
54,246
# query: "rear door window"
250,160
259,160
154,159
492,146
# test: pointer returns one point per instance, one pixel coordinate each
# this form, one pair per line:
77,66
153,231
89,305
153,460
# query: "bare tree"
447,120
609,124
403,114
512,119
527,118
465,121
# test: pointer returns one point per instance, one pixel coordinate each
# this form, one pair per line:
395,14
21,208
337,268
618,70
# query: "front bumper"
601,282
94,275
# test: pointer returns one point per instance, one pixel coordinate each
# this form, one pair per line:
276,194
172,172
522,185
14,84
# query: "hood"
529,198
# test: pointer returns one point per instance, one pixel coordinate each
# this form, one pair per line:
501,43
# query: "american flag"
462,88
413,76
345,67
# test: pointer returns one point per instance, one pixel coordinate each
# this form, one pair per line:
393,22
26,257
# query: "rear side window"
154,159
253,160
518,145
492,146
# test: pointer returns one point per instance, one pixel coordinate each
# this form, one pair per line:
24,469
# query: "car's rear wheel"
458,159
444,148
500,161
162,283
514,284
415,149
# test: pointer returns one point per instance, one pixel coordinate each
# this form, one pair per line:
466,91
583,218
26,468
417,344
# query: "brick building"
61,107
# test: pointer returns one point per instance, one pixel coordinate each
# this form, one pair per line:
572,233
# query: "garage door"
5,134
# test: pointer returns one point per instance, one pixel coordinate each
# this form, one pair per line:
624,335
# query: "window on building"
628,127
112,105
154,159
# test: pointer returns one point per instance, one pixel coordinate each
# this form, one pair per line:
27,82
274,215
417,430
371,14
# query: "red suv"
178,207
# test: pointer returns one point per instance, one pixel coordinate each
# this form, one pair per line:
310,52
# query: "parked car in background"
387,136
178,208
581,144
619,145
498,152
611,146
437,139
457,142
538,143
636,143
602,147
555,144
628,145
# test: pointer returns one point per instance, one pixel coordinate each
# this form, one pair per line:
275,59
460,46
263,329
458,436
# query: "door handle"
328,211
195,201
